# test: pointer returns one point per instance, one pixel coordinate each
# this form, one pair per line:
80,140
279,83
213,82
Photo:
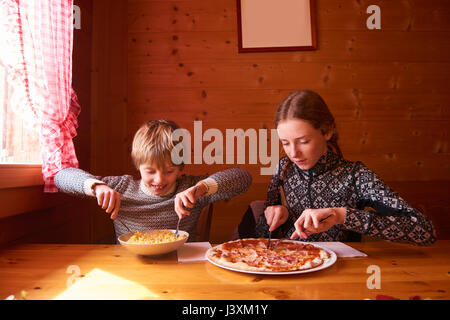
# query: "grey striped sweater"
141,211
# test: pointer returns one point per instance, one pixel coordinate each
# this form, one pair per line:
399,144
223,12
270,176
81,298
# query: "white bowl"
152,249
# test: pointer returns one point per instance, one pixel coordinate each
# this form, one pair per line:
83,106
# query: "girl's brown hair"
309,106
153,143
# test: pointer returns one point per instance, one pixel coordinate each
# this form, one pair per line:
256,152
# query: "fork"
118,219
276,243
270,237
178,227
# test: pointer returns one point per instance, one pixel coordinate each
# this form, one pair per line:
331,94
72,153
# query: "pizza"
253,255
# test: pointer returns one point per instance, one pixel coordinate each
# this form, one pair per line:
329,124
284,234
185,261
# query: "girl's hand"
108,199
310,221
186,200
276,216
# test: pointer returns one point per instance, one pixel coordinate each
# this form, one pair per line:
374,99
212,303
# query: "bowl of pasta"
153,242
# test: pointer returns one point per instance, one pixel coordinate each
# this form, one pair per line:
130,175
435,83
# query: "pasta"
154,237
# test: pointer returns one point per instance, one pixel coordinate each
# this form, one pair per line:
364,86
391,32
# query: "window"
19,144
38,46
20,159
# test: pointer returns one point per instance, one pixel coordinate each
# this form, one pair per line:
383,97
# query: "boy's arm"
81,183
226,184
219,186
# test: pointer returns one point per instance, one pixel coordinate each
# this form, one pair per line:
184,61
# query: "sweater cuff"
211,186
358,220
89,185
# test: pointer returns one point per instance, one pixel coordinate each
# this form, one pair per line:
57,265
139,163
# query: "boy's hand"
186,199
108,199
276,216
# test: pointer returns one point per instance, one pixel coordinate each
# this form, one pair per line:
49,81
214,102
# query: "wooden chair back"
204,223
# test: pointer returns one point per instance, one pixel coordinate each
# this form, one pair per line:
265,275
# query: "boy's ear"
180,170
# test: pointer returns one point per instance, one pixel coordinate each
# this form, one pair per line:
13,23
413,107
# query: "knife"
284,203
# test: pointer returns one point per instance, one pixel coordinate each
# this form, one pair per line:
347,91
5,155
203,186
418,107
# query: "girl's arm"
273,199
392,218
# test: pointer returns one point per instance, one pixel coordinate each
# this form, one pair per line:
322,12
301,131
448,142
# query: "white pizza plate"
328,263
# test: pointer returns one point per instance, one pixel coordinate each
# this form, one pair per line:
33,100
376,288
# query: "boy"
162,195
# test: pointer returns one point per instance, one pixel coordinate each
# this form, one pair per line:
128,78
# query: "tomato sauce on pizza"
253,255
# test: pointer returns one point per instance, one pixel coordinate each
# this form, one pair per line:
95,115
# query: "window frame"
15,175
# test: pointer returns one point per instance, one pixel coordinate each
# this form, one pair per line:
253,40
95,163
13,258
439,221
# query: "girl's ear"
329,133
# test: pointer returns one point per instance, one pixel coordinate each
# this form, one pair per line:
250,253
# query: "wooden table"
48,271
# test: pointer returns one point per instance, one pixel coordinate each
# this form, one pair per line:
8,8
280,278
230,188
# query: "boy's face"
159,180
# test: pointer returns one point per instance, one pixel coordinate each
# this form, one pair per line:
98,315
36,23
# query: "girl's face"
159,180
303,144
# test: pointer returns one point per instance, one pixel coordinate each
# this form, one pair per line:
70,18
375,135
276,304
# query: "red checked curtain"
36,49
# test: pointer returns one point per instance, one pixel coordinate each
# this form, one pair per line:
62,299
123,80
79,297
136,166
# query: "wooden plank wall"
109,144
178,60
388,88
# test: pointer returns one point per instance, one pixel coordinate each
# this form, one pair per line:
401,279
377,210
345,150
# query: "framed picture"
276,25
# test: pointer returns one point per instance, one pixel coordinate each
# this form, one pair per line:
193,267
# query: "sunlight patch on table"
102,285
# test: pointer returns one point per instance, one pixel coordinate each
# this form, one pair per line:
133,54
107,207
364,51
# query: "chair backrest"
204,223
249,220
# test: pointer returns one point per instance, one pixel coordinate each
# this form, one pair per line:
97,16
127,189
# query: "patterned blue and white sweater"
373,208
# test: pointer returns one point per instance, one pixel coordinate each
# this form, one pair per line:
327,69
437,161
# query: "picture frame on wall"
276,25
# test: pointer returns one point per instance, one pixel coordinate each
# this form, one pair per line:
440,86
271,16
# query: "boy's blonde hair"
153,143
